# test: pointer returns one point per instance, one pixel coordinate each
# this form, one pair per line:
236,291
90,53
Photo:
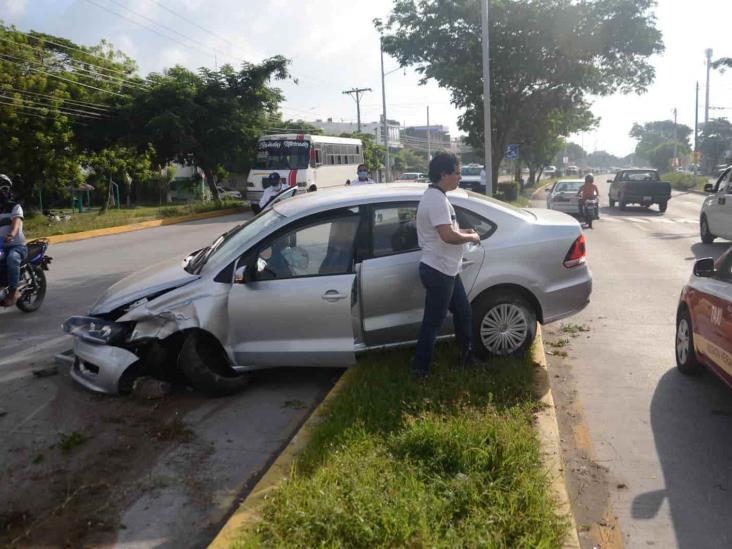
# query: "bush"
684,181
508,190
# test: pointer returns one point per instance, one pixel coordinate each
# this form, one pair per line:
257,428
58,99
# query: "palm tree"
722,62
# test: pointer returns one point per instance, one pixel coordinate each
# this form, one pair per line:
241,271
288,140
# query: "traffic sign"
512,152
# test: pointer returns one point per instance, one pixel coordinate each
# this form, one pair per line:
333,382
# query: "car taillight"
576,254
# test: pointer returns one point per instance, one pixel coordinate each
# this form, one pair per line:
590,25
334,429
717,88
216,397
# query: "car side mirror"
704,267
708,188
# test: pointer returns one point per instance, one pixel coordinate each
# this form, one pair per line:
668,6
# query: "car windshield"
233,239
640,176
470,170
282,154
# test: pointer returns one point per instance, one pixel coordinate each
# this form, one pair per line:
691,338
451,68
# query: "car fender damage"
101,368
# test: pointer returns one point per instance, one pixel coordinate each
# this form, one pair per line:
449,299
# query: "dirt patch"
588,482
68,469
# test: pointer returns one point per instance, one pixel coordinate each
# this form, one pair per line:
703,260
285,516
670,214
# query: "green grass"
449,462
38,226
685,181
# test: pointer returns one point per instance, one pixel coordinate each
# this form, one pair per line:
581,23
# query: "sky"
333,47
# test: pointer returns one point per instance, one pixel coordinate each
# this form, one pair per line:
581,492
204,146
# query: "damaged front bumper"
100,367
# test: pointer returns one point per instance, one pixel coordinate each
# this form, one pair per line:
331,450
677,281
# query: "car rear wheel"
204,363
662,206
612,202
686,359
622,204
706,235
503,324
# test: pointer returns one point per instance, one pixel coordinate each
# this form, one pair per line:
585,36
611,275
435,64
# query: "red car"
704,319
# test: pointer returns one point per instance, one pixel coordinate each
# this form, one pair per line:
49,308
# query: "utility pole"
709,69
696,116
357,92
387,167
429,145
675,161
487,131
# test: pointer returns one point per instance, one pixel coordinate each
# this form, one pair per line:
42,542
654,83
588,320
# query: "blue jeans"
14,256
443,293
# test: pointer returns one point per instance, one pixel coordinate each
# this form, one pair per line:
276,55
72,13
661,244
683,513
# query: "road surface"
665,439
78,468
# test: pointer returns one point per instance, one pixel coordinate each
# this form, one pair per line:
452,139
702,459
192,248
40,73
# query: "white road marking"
28,353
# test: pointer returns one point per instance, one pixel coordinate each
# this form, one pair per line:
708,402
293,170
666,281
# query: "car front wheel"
503,324
686,360
706,235
204,363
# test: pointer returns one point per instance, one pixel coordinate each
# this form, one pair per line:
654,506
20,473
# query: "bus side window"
318,160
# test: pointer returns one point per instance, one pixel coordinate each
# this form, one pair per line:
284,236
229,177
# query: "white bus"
310,162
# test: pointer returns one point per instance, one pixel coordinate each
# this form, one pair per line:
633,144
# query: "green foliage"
657,142
547,56
449,462
408,160
715,139
684,181
277,125
508,190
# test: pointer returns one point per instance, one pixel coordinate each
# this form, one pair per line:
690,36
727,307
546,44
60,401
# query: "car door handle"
333,295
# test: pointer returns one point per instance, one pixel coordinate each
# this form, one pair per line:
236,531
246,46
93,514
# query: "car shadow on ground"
631,211
691,418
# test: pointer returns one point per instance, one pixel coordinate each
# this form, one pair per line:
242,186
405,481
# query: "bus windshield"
282,154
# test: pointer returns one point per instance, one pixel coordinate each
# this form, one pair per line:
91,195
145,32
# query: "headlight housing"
97,330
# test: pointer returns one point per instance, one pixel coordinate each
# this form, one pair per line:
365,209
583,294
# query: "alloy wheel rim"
504,329
682,341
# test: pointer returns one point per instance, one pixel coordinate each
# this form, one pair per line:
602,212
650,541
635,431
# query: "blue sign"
512,152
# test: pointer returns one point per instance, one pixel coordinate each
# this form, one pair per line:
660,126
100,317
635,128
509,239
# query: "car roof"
570,181
349,195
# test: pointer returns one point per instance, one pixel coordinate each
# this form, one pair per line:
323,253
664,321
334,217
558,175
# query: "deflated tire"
205,364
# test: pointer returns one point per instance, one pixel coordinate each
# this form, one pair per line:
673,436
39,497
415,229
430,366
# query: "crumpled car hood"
157,278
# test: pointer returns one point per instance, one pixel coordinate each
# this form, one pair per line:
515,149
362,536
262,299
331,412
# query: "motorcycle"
590,211
32,284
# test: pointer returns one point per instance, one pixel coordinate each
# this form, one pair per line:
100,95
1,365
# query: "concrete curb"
547,428
249,511
83,235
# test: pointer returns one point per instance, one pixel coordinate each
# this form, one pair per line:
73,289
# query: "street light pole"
487,132
387,167
676,141
696,117
429,142
709,68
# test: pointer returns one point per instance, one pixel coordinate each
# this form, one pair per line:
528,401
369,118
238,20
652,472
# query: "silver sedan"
564,196
321,277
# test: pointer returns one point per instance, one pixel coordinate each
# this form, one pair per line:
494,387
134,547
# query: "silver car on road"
321,277
564,196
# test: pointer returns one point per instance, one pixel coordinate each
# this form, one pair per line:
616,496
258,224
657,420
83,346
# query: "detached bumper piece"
100,367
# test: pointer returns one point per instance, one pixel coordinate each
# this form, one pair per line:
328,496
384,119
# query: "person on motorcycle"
588,191
12,240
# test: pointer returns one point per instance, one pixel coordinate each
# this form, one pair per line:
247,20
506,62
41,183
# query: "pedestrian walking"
363,176
442,242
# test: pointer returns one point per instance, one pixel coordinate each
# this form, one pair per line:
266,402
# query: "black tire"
706,236
589,221
612,202
205,364
662,206
312,189
30,302
623,204
686,359
488,310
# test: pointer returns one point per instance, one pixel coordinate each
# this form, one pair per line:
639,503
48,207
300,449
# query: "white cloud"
15,8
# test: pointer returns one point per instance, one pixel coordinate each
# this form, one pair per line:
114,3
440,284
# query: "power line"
151,29
62,78
38,49
357,92
53,118
69,110
95,106
100,77
60,111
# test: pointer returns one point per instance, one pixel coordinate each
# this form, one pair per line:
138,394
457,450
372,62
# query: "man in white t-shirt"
442,242
12,240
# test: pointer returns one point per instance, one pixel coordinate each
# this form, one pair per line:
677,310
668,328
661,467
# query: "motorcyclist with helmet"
12,240
588,191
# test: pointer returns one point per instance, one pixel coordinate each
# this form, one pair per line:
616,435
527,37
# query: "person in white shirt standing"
442,242
363,176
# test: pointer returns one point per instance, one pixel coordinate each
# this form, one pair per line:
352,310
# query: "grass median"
449,462
38,226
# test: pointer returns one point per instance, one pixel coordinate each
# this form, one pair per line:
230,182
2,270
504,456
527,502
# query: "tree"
278,125
715,142
409,160
121,165
546,56
662,155
658,140
211,119
57,99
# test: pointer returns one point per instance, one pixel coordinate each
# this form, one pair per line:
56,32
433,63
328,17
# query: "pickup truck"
642,187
